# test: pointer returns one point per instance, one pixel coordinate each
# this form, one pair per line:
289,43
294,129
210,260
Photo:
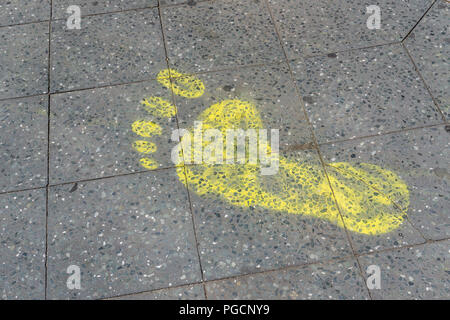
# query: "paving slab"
268,88
429,46
194,292
108,49
92,133
89,7
364,92
22,250
19,11
419,272
337,280
126,234
214,35
23,60
23,146
310,28
419,160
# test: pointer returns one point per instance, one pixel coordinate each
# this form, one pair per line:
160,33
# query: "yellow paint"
159,107
372,200
146,128
145,147
148,163
183,85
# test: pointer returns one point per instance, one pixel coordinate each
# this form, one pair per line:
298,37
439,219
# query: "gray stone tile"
23,147
194,292
268,88
19,11
22,249
429,46
314,27
99,6
362,93
23,60
127,234
268,224
108,49
419,158
419,272
214,35
338,280
91,132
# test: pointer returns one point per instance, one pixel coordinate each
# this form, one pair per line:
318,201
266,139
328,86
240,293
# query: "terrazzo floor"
72,191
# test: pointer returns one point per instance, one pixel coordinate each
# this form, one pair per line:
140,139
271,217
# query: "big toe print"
372,200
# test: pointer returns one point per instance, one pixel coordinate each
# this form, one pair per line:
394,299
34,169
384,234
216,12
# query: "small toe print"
159,107
146,129
148,163
145,147
183,85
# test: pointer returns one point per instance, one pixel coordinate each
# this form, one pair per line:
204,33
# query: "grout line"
424,83
184,168
428,241
48,149
111,177
300,98
415,25
24,23
387,133
22,190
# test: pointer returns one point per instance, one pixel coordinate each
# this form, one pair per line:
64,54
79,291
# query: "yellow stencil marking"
182,84
372,200
148,163
159,107
144,146
146,128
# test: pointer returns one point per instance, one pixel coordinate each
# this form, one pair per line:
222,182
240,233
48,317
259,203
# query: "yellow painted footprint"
372,200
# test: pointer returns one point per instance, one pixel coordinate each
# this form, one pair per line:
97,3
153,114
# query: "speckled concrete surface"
419,272
89,7
214,35
23,144
91,134
22,245
313,27
23,60
364,92
73,191
182,293
127,234
18,11
339,280
108,49
429,46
